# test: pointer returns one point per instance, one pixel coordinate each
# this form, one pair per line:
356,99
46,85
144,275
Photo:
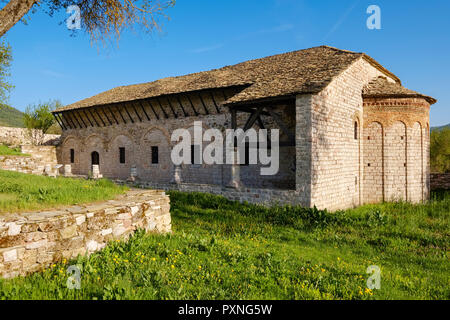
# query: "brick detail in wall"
396,149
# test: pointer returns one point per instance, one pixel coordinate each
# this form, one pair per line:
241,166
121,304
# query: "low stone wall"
251,195
440,181
20,136
21,164
32,241
39,157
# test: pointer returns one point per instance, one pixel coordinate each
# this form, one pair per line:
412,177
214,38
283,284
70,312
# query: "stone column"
96,171
235,168
235,181
176,179
133,173
67,170
48,170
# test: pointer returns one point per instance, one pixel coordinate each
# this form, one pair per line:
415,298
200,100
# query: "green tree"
39,119
101,19
5,64
440,150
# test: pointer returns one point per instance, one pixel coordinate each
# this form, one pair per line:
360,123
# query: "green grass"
23,192
8,151
10,117
225,250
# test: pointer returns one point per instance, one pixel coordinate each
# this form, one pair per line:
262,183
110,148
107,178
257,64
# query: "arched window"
356,130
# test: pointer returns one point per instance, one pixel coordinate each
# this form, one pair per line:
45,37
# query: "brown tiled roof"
381,87
303,71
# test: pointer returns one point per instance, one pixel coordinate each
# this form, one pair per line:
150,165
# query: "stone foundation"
440,181
251,195
32,241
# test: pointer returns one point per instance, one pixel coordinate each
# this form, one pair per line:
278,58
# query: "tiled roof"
381,87
303,71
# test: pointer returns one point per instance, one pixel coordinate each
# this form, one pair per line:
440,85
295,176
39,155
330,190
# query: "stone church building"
350,133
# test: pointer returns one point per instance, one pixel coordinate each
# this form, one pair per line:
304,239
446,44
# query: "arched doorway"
95,158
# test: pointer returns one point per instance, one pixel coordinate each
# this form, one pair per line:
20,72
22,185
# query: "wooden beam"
160,105
64,119
112,113
61,120
252,119
192,105
224,96
89,119
81,118
69,114
55,115
153,109
143,109
96,122
250,110
135,111
121,115
214,101
181,106
281,124
203,103
171,108
233,119
285,101
128,113
98,115
260,123
103,110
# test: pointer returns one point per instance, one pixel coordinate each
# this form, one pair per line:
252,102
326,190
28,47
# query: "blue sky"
414,43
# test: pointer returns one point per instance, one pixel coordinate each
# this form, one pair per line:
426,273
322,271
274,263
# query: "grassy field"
225,250
8,151
20,192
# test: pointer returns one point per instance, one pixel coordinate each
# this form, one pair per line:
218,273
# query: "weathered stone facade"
137,138
32,241
359,136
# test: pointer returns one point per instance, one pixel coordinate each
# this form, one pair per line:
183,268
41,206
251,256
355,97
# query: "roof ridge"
303,70
238,63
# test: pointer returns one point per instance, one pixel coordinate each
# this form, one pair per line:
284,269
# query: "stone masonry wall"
251,195
32,241
19,136
440,181
325,139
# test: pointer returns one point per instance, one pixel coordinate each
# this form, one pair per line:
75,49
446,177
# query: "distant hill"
440,128
10,117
